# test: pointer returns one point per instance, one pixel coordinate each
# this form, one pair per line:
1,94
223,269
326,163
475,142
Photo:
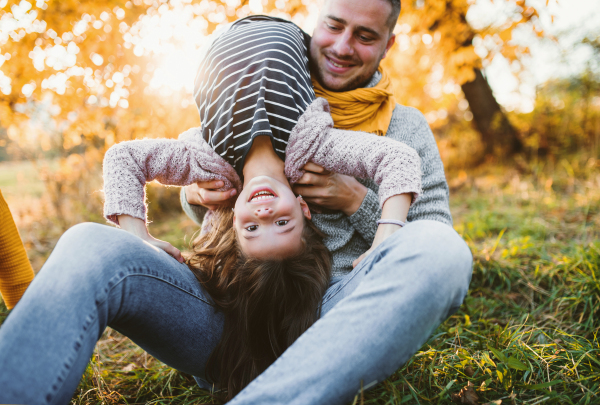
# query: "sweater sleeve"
393,165
408,125
15,270
364,220
195,212
129,165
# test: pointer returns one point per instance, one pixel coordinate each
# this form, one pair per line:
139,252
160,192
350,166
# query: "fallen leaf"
469,371
129,367
466,396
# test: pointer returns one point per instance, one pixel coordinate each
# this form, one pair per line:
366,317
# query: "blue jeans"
373,319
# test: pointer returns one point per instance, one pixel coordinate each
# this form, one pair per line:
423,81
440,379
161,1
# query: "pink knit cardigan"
394,166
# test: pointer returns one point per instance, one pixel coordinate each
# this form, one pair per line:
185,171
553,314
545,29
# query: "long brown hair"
267,304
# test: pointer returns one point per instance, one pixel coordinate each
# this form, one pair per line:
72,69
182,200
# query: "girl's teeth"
262,196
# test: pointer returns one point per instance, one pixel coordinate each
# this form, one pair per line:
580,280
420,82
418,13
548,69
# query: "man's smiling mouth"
339,65
336,65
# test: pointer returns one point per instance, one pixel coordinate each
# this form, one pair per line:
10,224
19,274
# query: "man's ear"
304,206
389,44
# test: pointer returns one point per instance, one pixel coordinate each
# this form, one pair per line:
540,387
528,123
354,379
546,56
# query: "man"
378,315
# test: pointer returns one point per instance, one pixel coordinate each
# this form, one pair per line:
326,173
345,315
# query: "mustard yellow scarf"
364,109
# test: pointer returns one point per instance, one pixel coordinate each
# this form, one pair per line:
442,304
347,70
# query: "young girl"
263,263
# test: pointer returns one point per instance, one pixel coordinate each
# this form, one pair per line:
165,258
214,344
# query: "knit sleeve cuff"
113,210
364,219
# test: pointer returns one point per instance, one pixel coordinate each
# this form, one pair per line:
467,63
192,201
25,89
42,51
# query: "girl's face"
269,219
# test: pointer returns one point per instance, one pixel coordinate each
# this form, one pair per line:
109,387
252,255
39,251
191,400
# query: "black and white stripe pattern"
253,81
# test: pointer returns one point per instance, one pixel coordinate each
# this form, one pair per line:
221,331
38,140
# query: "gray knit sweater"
349,237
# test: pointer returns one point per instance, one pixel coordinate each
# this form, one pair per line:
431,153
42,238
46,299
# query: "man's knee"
436,260
439,245
450,262
90,248
442,241
83,233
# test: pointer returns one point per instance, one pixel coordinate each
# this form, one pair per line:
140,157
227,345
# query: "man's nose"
343,44
263,212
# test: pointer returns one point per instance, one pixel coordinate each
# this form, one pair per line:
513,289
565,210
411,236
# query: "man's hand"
330,190
206,193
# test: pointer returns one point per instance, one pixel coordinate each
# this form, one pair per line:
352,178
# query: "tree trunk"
497,133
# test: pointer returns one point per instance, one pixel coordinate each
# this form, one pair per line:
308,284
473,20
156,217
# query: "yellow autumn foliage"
76,75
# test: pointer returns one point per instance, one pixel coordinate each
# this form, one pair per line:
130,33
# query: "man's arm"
195,212
409,125
364,219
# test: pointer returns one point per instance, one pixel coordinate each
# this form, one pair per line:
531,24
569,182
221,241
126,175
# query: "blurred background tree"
78,76
442,27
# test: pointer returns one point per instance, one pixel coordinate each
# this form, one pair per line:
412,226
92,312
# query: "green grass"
526,334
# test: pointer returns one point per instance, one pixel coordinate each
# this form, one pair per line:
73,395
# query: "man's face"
349,41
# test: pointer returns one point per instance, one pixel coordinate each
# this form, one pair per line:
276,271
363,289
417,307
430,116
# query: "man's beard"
352,84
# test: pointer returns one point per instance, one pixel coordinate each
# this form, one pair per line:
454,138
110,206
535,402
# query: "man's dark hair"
391,22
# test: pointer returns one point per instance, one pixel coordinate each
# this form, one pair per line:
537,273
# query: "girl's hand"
137,227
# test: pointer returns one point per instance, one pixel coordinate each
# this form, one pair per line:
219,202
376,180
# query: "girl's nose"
263,212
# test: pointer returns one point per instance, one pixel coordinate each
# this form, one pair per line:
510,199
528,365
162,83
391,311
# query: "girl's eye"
251,228
282,222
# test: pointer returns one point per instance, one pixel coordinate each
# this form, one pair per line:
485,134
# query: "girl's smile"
269,218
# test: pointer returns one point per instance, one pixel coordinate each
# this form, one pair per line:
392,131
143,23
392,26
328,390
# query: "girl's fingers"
170,249
361,257
355,263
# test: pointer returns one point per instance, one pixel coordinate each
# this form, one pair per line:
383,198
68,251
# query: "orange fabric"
364,109
15,270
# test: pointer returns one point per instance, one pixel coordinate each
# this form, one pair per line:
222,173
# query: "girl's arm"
393,165
395,207
129,165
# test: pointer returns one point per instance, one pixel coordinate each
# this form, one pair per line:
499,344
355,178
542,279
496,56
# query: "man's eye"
365,39
282,222
251,228
331,27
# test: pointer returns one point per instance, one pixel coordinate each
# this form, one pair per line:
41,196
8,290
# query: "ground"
528,329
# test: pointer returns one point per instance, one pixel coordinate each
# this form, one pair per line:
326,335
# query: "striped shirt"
254,80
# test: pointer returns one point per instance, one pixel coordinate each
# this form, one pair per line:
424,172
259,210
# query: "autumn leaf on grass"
466,396
130,367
